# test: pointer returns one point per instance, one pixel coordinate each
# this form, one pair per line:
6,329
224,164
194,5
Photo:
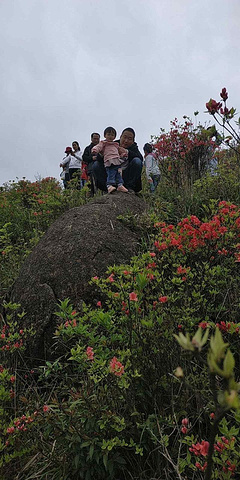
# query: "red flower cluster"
203,325
116,367
179,145
133,297
71,323
199,449
192,234
230,468
163,299
225,327
201,467
90,353
213,106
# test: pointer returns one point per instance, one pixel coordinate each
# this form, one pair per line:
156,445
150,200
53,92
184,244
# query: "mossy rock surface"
81,244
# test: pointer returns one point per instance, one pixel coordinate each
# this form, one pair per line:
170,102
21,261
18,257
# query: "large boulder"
82,243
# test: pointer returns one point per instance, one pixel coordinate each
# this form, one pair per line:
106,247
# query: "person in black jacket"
88,158
132,168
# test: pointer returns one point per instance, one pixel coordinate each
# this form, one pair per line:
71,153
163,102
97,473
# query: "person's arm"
64,161
97,148
123,152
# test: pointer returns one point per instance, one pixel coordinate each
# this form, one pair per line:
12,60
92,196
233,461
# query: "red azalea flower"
133,297
90,353
163,299
116,367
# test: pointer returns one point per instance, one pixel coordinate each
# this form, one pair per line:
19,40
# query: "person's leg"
111,178
119,179
66,180
99,175
132,175
152,186
119,182
156,179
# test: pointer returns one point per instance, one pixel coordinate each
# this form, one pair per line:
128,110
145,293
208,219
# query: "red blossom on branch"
133,297
116,367
90,353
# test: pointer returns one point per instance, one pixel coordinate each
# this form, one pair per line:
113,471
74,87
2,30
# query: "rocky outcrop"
82,243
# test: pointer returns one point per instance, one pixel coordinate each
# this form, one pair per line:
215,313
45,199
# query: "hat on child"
68,149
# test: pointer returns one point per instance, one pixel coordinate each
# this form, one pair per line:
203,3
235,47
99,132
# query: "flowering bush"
27,209
118,397
184,152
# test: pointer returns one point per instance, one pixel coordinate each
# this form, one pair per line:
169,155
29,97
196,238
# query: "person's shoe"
121,188
111,189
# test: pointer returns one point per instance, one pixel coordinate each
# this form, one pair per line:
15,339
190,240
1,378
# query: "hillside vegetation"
144,385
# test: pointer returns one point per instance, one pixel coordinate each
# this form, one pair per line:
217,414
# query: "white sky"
71,67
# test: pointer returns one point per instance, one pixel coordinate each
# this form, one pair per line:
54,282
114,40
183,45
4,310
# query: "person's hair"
110,130
129,129
94,133
75,141
148,148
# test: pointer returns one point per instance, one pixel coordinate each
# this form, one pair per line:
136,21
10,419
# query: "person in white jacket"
72,164
152,168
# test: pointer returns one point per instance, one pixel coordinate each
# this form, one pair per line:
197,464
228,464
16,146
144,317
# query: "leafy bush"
27,210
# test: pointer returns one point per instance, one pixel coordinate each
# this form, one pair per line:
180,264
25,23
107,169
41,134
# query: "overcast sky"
71,67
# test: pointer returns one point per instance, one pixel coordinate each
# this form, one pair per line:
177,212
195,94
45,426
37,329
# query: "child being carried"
113,156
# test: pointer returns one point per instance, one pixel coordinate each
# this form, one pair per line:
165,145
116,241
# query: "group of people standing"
110,164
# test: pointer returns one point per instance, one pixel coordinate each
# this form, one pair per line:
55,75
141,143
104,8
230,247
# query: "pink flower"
203,325
116,367
99,304
90,353
212,415
95,278
152,254
163,299
12,379
200,448
213,106
184,430
133,297
10,430
185,422
46,408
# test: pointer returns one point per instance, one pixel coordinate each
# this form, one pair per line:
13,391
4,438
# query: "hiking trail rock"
80,244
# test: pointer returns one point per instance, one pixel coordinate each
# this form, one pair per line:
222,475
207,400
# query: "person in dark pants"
131,169
88,158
